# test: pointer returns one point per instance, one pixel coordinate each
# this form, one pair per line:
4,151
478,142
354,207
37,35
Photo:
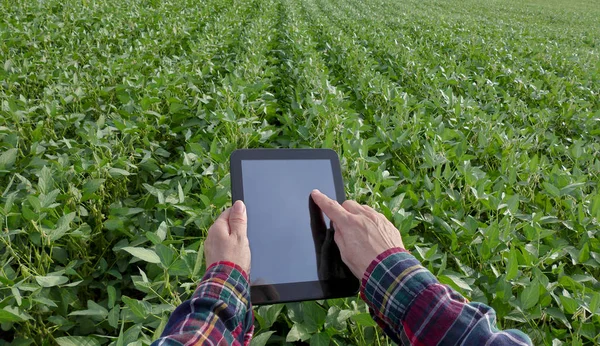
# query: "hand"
227,238
361,233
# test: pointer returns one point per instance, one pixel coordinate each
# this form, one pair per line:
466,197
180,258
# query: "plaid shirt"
219,312
413,308
405,299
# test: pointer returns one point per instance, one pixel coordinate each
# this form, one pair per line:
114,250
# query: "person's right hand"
361,233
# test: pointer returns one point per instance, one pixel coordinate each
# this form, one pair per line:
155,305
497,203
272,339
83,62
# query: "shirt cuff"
391,283
222,264
228,282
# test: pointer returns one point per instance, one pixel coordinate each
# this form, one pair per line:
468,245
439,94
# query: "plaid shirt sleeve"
219,312
413,308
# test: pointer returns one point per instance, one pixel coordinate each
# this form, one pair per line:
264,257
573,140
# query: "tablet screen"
276,193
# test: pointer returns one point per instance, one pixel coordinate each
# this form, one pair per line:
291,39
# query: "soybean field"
473,125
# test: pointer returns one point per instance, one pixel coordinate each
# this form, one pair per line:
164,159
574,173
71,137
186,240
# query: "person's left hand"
227,238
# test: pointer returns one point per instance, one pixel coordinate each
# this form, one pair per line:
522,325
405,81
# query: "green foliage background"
474,126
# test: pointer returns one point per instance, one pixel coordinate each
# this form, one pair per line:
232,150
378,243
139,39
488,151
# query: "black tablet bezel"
297,291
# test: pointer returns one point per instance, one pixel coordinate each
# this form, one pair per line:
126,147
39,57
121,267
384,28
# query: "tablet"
294,256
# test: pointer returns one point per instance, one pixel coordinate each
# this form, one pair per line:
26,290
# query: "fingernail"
238,207
315,191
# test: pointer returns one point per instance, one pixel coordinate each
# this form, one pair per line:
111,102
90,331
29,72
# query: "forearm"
219,310
412,307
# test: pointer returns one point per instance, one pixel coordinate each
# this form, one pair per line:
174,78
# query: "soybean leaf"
512,265
314,315
46,181
199,261
62,227
269,314
90,187
166,255
319,339
153,237
144,254
530,295
363,319
584,254
558,315
295,312
261,339
595,302
112,296
50,280
8,158
45,301
139,308
161,232
7,316
77,341
180,193
93,310
570,188
336,318
113,316
116,172
17,295
299,332
569,304
454,281
161,327
551,189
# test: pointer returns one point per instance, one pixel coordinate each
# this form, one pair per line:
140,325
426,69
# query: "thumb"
238,220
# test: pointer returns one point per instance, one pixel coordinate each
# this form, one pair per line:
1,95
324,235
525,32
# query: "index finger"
330,207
